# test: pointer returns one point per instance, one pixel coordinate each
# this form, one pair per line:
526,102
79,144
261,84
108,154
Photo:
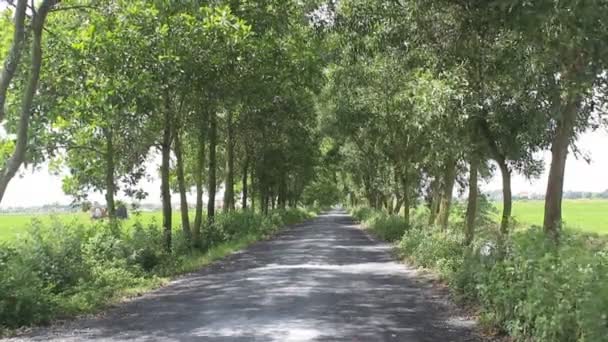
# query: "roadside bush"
387,227
65,269
536,292
362,214
23,296
145,246
533,290
433,248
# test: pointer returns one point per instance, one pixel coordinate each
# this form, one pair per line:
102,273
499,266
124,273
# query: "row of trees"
413,97
223,93
423,95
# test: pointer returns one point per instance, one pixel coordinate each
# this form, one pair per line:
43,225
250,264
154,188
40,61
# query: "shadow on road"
320,281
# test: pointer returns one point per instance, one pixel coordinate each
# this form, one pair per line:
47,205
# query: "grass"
11,225
588,215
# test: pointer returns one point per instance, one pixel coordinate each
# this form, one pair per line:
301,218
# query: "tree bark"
507,201
273,199
406,201
212,167
229,192
434,205
398,205
555,185
200,166
110,170
282,196
253,189
245,189
14,162
447,190
181,183
164,174
472,201
13,58
263,199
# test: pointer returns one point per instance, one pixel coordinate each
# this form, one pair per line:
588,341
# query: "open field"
11,225
589,215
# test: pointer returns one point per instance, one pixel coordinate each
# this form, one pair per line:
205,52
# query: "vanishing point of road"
323,280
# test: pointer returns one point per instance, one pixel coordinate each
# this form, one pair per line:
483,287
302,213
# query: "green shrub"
65,269
24,298
536,292
386,227
433,248
54,253
145,246
362,214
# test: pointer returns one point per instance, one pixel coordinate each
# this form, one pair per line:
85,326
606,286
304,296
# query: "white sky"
579,176
39,188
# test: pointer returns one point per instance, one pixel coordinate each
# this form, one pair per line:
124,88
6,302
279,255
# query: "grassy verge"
535,291
57,271
586,215
14,225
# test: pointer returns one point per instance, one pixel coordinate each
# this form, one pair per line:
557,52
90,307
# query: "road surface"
324,280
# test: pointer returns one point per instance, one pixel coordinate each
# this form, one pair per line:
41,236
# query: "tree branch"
9,170
75,7
14,56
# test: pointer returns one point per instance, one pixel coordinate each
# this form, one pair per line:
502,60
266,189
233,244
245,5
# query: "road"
324,280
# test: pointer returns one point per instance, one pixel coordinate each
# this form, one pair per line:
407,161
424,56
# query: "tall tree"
21,30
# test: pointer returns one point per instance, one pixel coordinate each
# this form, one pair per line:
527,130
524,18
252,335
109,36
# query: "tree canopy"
388,103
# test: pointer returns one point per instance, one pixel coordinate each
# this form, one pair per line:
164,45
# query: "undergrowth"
533,291
61,270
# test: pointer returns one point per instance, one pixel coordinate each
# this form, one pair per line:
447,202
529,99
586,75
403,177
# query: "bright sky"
39,188
580,176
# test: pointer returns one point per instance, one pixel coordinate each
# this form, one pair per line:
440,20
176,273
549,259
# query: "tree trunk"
212,166
110,169
507,202
181,183
253,188
164,174
8,171
406,209
263,198
434,205
245,175
406,201
200,166
13,58
472,201
229,192
282,196
445,201
398,205
555,185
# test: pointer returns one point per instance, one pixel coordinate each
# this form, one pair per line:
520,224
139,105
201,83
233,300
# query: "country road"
324,280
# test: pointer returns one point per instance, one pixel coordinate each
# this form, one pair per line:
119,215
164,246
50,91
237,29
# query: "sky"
39,187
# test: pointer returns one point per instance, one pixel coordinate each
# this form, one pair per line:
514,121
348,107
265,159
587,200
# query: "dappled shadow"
321,281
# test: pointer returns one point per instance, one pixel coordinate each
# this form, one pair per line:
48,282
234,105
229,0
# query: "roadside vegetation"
221,94
389,105
531,289
60,269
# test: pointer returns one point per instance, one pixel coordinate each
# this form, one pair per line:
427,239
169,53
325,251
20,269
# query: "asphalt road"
324,280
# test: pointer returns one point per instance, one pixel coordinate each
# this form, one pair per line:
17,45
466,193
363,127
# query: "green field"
12,225
585,215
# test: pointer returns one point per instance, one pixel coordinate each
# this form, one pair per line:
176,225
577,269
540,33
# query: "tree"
21,30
